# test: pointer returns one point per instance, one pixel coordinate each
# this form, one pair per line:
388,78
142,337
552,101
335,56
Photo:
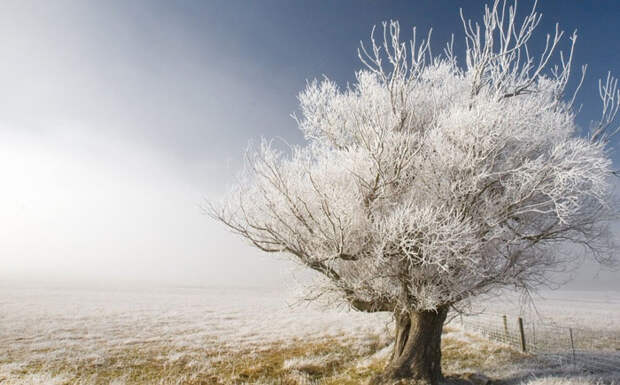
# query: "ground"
125,336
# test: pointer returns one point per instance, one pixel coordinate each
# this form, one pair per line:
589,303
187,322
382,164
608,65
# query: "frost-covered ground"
556,320
599,310
580,328
68,330
188,317
62,335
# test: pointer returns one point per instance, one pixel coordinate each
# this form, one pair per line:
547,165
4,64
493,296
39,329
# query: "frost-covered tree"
428,182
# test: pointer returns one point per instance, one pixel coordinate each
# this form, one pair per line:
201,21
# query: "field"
68,335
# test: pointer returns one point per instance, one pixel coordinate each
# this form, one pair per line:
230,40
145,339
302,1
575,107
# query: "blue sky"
117,118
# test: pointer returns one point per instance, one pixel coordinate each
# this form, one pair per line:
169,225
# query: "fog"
114,129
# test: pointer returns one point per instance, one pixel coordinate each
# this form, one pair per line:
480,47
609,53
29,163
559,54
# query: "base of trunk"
416,357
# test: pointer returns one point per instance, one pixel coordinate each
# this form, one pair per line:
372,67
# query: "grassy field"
329,361
217,336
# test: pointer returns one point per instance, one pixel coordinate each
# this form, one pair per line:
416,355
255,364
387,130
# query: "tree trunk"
417,348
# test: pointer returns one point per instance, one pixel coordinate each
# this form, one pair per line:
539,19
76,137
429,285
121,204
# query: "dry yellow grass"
330,361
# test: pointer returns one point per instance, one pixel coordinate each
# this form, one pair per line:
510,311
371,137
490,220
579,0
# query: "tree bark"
417,348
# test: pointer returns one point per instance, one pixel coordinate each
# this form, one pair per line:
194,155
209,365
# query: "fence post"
572,344
523,347
505,326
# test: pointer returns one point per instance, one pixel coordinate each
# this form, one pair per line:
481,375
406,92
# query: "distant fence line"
593,351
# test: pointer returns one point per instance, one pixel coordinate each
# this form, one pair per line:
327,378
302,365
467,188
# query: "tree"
428,182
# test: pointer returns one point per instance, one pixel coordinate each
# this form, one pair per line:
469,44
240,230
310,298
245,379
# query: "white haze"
84,207
110,139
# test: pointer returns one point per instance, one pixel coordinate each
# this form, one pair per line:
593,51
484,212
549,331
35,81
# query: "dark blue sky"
286,42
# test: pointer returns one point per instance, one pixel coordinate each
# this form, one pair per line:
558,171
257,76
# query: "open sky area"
118,118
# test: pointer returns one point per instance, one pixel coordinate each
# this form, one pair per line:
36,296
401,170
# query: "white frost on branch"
425,183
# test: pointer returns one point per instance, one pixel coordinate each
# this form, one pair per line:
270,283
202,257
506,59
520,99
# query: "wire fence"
593,351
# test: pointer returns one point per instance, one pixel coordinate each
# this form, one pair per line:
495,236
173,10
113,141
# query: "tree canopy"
428,181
